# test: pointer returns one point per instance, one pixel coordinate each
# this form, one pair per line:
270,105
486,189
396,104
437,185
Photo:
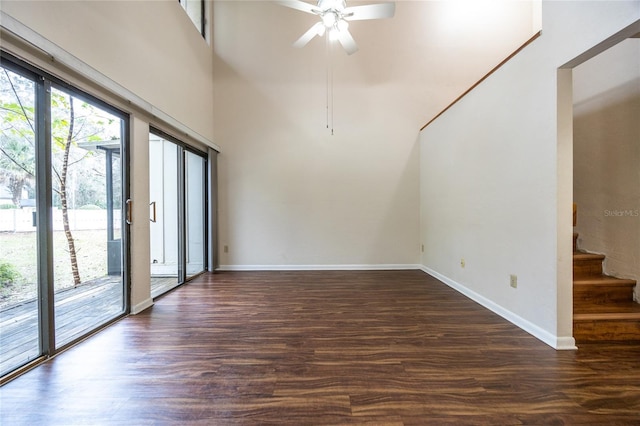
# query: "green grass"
19,250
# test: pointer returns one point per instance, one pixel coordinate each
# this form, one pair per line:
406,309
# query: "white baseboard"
556,342
136,309
376,267
565,344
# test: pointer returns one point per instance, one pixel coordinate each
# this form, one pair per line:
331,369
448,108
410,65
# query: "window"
195,10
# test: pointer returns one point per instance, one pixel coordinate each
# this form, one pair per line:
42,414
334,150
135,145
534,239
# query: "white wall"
494,187
291,194
607,157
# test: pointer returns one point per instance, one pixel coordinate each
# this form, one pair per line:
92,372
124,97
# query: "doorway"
566,197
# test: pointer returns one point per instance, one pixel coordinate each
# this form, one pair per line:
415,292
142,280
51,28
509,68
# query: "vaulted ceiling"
416,63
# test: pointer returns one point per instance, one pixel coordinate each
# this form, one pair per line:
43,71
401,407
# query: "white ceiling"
418,62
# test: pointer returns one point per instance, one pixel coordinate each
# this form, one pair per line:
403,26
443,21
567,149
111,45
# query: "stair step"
602,289
630,310
602,280
587,257
585,264
606,323
606,331
630,316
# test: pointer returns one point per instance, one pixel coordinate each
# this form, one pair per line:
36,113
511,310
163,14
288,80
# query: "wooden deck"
320,348
78,310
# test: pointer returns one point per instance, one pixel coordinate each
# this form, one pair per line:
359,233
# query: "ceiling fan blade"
299,5
370,11
315,30
347,41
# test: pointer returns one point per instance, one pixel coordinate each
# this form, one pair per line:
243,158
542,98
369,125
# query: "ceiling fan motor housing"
334,15
332,5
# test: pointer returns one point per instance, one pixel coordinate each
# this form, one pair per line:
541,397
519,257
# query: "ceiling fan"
334,15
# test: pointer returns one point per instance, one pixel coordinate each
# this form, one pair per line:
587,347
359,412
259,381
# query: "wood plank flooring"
330,347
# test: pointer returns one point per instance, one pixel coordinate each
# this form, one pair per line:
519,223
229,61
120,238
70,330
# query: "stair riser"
598,295
606,330
585,268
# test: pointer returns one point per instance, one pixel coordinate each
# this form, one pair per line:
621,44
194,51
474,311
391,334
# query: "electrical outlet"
226,249
462,263
422,248
513,281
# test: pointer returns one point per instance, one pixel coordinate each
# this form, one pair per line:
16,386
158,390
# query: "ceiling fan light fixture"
342,25
329,19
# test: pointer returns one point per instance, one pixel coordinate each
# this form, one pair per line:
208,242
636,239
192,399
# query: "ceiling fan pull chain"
331,85
327,59
332,100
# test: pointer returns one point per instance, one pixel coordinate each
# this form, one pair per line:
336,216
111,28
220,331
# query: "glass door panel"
87,202
19,310
177,213
194,213
163,227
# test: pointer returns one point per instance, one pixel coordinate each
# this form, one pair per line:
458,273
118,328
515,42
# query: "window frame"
203,25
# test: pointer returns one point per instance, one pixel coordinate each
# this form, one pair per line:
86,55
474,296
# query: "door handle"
153,211
129,217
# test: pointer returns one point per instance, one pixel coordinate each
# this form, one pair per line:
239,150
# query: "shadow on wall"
607,178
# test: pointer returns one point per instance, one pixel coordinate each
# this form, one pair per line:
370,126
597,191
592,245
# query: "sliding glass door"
177,191
62,186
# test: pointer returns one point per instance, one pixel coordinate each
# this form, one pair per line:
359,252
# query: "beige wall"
292,195
496,184
607,157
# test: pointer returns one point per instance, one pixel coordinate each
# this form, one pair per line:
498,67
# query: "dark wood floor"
308,348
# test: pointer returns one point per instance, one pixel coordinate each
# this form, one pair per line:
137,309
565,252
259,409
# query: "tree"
17,154
62,192
67,130
72,122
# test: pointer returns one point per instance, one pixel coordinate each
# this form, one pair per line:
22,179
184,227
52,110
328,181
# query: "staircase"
603,306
